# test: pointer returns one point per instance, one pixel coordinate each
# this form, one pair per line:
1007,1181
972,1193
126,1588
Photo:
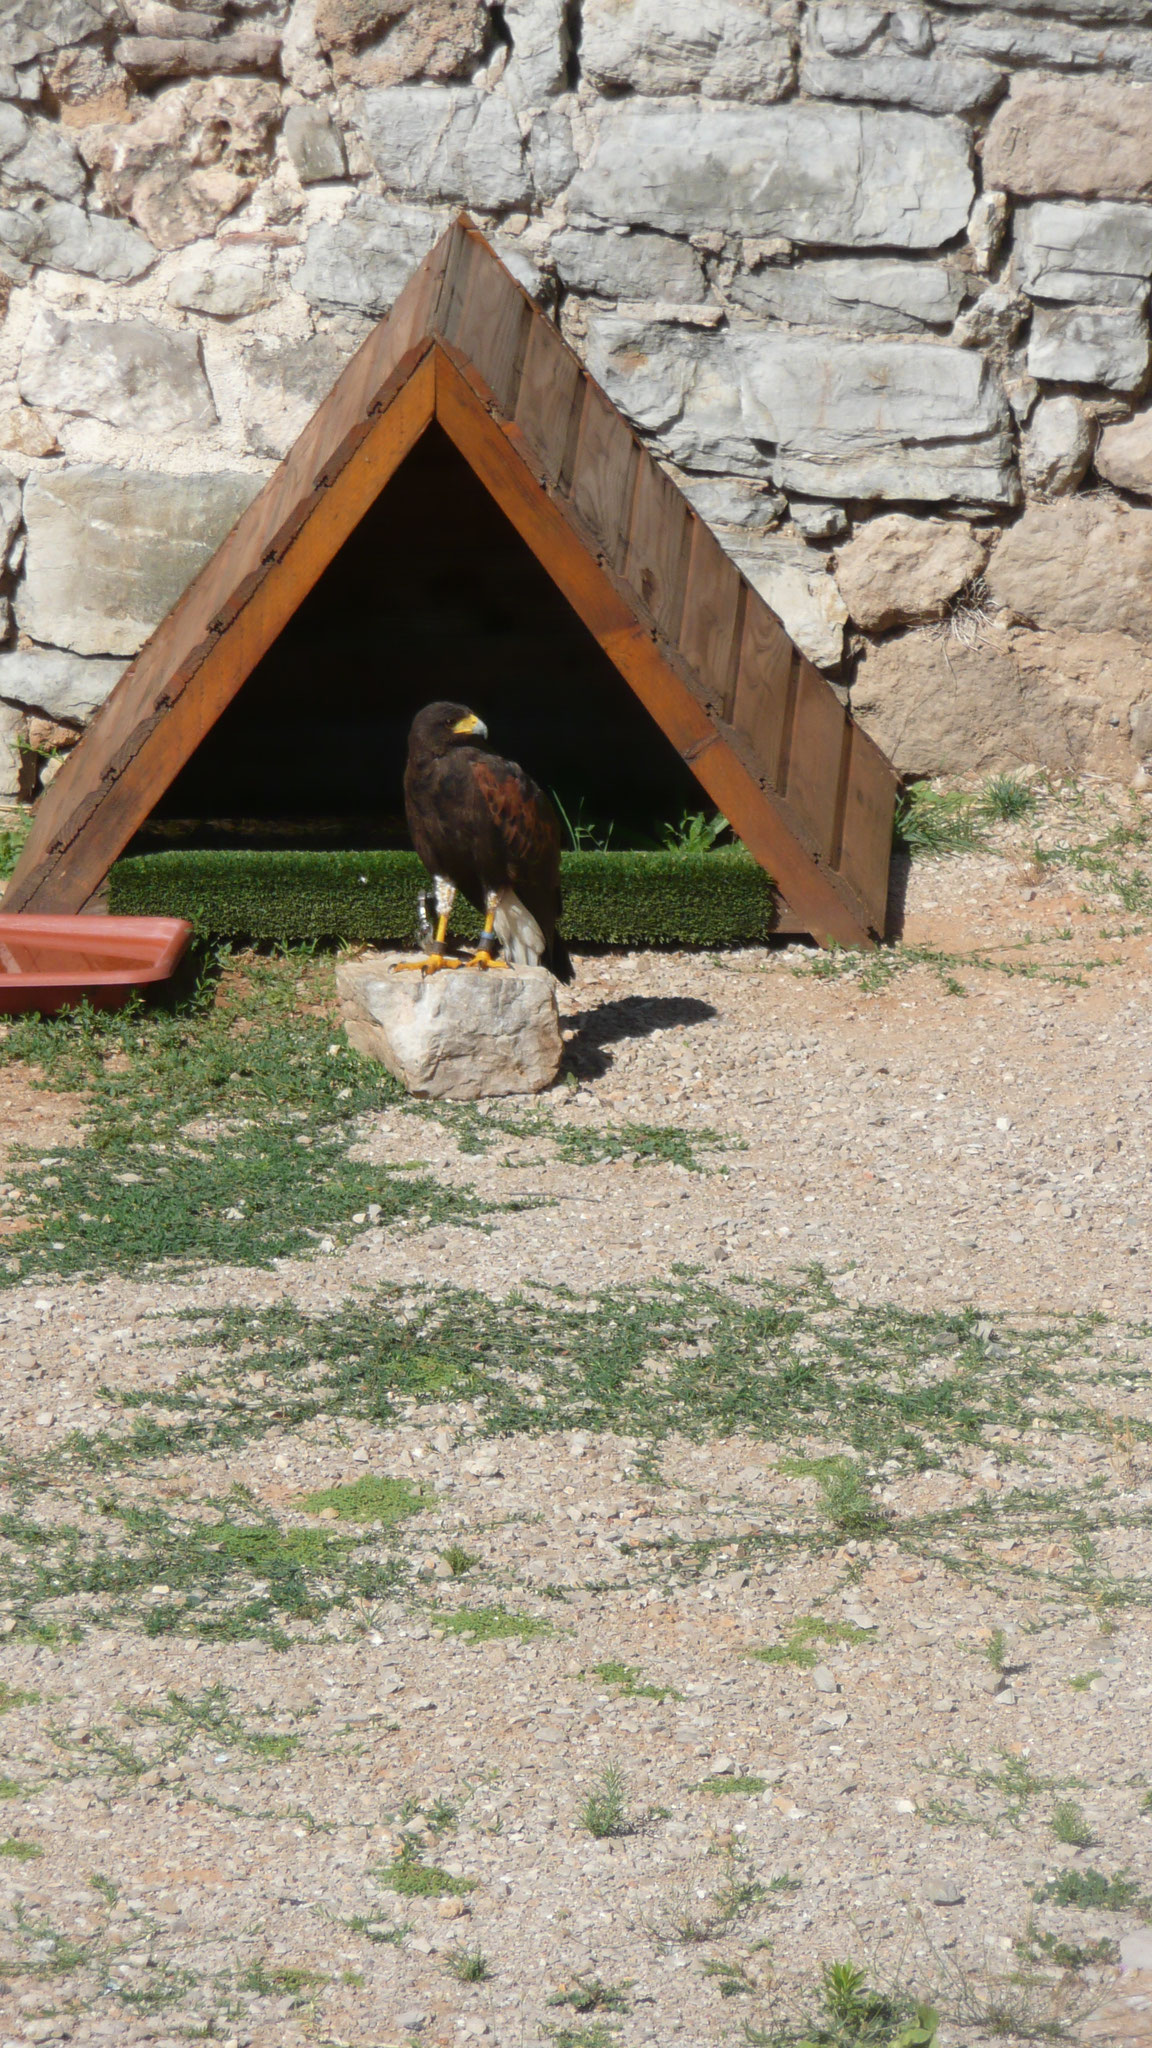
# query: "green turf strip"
720,898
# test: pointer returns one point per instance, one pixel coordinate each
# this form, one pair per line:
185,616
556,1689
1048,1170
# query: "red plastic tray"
48,962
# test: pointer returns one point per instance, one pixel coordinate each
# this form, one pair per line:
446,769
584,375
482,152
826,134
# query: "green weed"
605,1809
695,833
744,1787
409,1875
805,1633
1090,1889
996,1649
933,821
9,1789
280,1983
370,1499
468,1965
627,1678
1069,1825
489,1624
1007,799
458,1560
20,1851
591,1994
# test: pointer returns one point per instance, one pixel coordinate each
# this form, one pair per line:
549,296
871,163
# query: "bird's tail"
558,960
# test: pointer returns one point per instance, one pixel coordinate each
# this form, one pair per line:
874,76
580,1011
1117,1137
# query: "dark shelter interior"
434,595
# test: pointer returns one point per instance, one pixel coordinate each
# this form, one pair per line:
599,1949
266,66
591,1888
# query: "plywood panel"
816,758
604,475
659,538
551,390
762,708
713,618
866,828
488,330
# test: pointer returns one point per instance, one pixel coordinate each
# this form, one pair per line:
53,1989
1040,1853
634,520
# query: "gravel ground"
205,1835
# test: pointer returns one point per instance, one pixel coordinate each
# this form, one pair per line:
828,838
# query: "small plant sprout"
996,1649
469,1965
1070,1826
458,1560
1007,798
605,1810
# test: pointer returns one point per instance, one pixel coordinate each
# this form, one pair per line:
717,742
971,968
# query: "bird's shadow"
593,1031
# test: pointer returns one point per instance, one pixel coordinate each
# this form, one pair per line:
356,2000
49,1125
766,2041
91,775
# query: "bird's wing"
528,831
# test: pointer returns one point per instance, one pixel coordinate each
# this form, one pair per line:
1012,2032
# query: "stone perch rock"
460,1035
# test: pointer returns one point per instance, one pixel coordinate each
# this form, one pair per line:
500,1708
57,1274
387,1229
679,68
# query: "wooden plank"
761,708
659,539
486,333
816,759
115,775
551,388
866,831
541,519
713,619
604,475
819,899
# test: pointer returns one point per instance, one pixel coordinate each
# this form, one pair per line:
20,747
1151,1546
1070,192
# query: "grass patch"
626,1677
20,1851
799,1646
929,821
489,1624
11,1696
605,1809
409,1875
9,1789
216,1132
743,1787
370,1499
281,1983
591,1994
1090,1890
468,1965
1069,1825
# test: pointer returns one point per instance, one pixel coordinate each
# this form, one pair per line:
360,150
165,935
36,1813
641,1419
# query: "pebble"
946,1891
824,1680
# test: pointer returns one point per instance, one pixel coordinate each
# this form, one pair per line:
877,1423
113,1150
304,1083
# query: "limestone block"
541,48
1124,455
59,685
851,176
27,432
35,28
679,384
1082,563
552,157
148,58
733,501
817,521
457,1035
1056,447
385,42
10,512
636,266
723,49
225,286
1089,345
870,295
1094,255
87,86
366,259
284,383
794,580
1066,45
444,142
1087,137
993,320
878,419
938,84
61,236
39,156
186,163
127,372
897,570
110,551
314,144
1072,702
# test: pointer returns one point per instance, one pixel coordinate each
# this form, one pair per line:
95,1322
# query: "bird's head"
440,726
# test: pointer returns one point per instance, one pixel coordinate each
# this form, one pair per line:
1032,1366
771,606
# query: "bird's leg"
484,956
434,943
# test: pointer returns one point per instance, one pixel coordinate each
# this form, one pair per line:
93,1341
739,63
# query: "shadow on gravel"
629,1017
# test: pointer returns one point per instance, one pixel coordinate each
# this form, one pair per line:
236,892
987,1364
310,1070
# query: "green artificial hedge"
720,898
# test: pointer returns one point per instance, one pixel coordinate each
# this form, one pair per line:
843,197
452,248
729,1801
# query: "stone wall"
873,279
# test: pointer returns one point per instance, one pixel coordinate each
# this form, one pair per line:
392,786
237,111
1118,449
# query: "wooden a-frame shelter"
764,733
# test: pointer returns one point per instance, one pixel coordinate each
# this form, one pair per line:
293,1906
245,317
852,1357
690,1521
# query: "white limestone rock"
284,382
127,372
1124,455
869,295
11,724
61,236
365,259
314,144
1089,345
878,419
445,142
1056,447
35,28
1093,255
940,83
552,157
852,176
39,156
541,48
109,550
898,571
795,581
1084,564
679,384
630,266
225,286
55,683
723,49
733,501
460,1036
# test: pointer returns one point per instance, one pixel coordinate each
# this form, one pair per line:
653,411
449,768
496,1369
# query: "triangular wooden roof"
763,732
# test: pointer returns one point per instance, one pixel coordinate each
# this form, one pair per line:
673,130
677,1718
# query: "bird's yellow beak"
471,724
